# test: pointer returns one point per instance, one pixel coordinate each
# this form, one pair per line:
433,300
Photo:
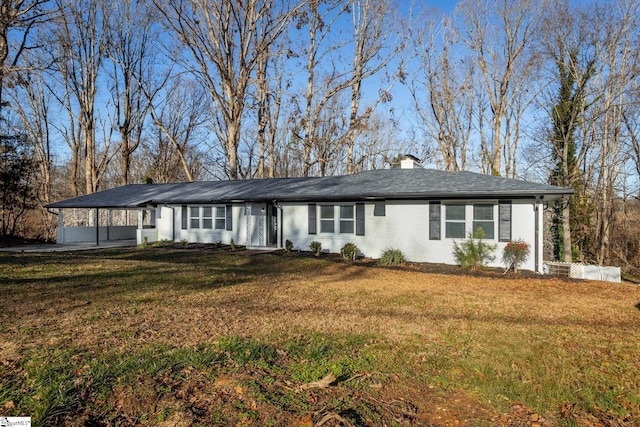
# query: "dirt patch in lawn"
174,336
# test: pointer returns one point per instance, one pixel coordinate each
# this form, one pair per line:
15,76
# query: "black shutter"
185,217
312,218
504,220
434,221
379,209
359,219
228,218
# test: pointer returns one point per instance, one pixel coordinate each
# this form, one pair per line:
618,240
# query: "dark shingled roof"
384,184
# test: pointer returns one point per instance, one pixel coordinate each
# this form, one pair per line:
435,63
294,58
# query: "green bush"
474,253
349,251
288,246
316,247
392,257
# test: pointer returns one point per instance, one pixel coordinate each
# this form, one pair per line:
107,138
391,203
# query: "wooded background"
96,94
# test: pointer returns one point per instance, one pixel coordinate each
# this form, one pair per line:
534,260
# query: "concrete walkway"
82,246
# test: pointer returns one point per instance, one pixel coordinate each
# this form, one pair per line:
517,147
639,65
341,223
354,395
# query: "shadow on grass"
113,274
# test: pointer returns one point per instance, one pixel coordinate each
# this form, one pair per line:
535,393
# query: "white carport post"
140,238
60,230
538,245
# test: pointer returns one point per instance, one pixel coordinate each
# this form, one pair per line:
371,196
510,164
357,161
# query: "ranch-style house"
419,211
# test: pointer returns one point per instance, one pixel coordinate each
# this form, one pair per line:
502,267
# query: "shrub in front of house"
474,253
349,251
316,247
288,246
515,253
392,257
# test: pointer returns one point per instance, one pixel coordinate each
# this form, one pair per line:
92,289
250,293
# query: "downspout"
279,231
173,222
538,201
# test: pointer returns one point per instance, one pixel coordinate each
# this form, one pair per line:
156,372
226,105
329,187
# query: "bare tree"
20,15
130,49
375,47
179,116
616,27
320,18
595,52
499,37
224,41
442,93
79,38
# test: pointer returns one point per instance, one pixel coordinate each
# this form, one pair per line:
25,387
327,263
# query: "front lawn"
169,336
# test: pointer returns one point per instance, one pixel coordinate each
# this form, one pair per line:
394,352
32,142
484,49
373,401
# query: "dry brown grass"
567,350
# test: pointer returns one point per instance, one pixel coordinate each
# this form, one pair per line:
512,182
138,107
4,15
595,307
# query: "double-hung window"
220,217
483,218
206,217
347,219
455,226
194,217
327,221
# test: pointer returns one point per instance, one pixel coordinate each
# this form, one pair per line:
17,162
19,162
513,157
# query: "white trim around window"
339,219
455,223
202,217
459,219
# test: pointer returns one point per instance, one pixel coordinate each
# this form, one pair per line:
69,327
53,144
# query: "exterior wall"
169,226
404,226
295,222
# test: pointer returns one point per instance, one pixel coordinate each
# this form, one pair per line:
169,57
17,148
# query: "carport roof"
383,184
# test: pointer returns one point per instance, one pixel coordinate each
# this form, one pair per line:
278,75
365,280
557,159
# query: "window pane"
220,212
326,211
346,227
206,212
346,212
455,230
206,223
455,212
487,227
327,226
220,224
483,212
194,215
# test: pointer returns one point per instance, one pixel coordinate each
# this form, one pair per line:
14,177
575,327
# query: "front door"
272,225
262,224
